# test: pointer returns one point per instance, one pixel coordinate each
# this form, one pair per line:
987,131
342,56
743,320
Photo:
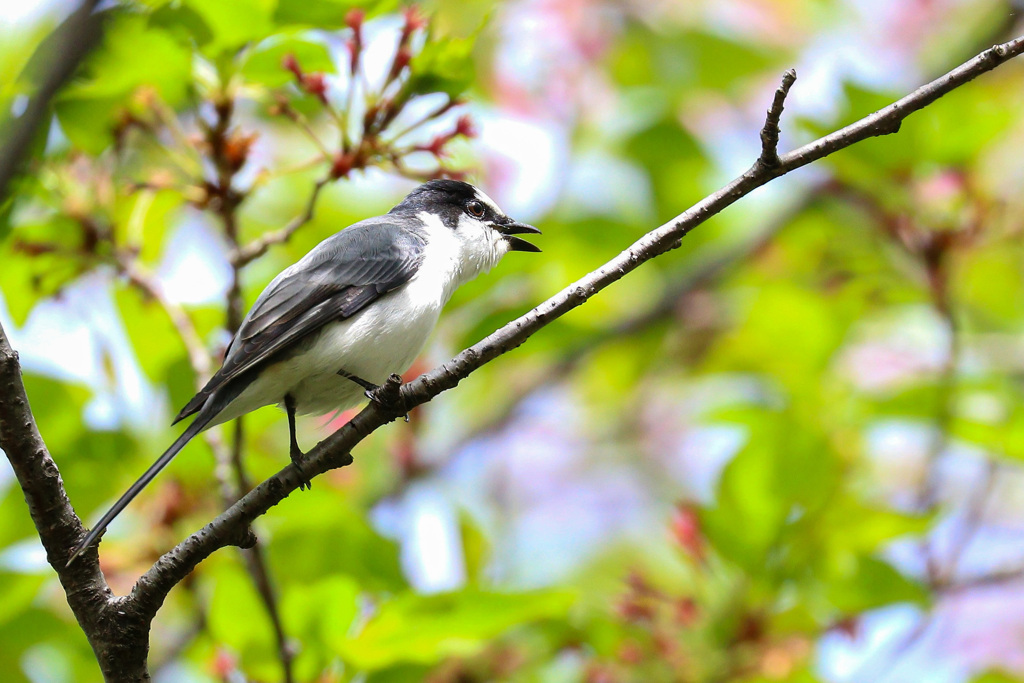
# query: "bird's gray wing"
340,277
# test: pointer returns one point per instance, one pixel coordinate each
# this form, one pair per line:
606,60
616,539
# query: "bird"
359,307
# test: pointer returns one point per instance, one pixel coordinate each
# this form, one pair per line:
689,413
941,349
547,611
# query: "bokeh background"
788,451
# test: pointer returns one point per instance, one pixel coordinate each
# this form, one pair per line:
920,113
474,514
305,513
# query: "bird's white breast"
383,338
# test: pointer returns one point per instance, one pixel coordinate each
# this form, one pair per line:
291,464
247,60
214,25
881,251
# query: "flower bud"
292,64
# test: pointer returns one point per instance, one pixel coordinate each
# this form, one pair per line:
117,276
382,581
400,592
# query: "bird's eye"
475,209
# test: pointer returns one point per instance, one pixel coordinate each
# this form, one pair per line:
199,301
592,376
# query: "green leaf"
854,527
952,131
236,617
673,159
789,332
26,280
306,543
326,14
134,54
678,61
428,628
861,583
319,615
800,675
263,65
996,676
443,65
403,673
88,122
142,219
234,23
183,22
749,514
476,548
157,344
20,590
784,473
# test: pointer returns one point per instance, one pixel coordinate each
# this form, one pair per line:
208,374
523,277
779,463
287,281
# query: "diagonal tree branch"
151,589
666,308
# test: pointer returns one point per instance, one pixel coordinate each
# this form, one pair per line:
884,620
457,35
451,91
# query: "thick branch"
120,645
151,589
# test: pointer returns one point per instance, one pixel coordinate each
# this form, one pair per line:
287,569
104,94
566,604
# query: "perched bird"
357,308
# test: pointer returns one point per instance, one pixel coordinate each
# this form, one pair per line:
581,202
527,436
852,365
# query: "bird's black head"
453,201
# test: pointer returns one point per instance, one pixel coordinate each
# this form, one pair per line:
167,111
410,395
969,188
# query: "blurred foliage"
884,292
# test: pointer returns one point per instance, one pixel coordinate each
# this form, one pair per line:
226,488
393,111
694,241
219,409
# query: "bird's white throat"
454,256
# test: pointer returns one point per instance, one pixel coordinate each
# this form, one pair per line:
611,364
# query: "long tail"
202,420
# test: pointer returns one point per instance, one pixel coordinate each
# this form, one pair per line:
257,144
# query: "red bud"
315,84
402,59
634,610
464,126
436,146
354,18
341,166
848,626
631,653
237,147
685,611
223,664
354,46
414,21
292,64
686,530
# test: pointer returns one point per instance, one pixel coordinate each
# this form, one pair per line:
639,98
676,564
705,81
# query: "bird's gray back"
336,279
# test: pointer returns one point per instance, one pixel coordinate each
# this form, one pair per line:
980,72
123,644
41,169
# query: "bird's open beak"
510,230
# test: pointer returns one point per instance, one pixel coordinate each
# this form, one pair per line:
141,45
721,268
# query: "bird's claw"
388,396
304,481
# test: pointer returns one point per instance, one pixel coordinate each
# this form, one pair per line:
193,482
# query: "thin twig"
991,578
299,120
770,131
137,275
943,417
243,255
229,461
685,283
973,517
447,106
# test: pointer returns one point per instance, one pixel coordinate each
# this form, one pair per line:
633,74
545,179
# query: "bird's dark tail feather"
202,419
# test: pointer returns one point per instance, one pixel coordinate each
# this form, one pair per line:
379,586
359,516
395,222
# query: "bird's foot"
388,396
297,457
368,386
